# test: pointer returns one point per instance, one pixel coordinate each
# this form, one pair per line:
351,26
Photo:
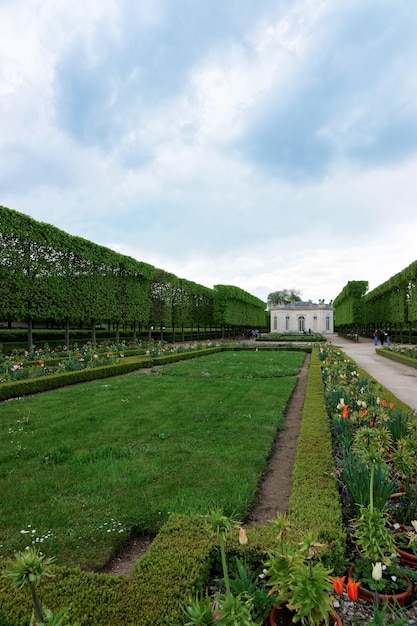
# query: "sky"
263,144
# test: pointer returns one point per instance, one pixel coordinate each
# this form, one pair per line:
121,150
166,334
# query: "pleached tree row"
392,305
49,276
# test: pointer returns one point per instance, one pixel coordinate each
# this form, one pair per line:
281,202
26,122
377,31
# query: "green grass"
82,467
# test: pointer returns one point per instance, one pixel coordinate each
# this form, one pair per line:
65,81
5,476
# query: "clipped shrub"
314,501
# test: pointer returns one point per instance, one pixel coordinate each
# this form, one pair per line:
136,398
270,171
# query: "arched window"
301,324
327,322
275,322
315,324
287,323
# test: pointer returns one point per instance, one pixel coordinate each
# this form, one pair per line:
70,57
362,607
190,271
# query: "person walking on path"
381,336
376,337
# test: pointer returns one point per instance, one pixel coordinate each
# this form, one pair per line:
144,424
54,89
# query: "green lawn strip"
81,464
242,364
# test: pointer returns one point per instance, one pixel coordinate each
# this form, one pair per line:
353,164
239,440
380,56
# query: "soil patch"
274,491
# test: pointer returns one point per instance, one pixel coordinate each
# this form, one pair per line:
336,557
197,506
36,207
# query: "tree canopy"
283,296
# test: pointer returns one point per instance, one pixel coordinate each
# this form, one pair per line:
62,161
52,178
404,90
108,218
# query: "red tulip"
338,583
352,589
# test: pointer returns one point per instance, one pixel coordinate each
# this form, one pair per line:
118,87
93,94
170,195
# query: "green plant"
381,578
374,539
384,614
53,619
405,459
226,608
29,569
297,579
355,480
244,583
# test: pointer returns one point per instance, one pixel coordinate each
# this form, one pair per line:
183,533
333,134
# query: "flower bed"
375,450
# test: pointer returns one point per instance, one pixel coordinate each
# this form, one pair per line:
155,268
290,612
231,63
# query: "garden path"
398,378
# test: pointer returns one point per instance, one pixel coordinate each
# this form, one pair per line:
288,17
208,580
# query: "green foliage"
373,537
283,296
348,305
400,357
297,577
314,501
355,479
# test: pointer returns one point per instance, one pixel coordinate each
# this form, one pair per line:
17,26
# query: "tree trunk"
93,332
67,333
30,334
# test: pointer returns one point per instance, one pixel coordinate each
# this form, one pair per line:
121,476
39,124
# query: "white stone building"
302,317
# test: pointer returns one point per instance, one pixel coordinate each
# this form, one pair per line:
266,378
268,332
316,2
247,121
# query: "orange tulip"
352,589
338,583
384,403
392,406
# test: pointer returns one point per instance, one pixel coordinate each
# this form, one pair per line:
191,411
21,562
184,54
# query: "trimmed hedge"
54,381
395,356
29,386
177,566
314,502
290,338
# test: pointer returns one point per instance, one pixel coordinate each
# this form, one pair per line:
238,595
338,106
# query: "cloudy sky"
264,144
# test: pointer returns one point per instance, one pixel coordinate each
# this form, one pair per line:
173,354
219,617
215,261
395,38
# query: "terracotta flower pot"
406,557
337,621
402,599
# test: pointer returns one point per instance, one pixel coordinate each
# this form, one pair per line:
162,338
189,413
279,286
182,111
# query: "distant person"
381,337
388,334
376,337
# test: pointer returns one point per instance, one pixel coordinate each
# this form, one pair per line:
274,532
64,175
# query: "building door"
301,324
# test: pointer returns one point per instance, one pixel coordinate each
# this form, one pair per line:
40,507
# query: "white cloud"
273,148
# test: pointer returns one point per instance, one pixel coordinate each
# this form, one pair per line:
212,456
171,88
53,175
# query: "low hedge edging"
19,388
314,501
395,356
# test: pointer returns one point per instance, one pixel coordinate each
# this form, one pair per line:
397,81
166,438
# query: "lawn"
83,467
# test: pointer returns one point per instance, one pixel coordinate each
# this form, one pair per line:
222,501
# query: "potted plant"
406,542
243,599
300,581
376,565
405,460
